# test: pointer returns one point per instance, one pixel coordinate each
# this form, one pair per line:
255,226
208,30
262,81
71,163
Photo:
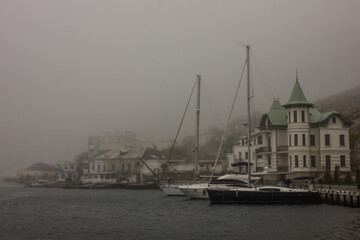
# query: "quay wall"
339,197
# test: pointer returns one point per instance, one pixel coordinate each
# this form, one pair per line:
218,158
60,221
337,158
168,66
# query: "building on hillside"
39,171
206,137
296,138
112,139
122,140
127,165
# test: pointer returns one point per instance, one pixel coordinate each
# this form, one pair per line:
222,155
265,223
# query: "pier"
339,197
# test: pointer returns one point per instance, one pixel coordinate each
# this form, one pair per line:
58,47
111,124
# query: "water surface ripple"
40,213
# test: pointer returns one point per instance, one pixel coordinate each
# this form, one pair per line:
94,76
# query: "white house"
124,165
296,137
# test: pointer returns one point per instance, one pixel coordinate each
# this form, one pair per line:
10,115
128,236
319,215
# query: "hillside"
346,102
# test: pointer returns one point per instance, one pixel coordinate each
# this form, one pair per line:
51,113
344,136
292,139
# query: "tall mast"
248,110
197,126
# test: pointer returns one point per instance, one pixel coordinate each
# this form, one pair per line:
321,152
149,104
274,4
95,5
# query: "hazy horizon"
70,69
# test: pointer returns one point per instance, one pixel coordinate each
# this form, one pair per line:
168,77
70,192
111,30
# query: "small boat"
38,183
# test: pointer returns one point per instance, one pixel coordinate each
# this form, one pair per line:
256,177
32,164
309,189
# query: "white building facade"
297,138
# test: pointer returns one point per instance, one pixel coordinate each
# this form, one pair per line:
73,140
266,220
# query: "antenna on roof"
297,79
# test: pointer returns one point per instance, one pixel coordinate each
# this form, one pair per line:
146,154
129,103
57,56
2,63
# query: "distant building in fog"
121,140
70,171
39,171
124,165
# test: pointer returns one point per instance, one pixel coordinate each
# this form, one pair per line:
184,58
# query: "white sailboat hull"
198,191
172,190
195,191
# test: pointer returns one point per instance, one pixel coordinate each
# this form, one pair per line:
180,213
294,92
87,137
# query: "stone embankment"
348,196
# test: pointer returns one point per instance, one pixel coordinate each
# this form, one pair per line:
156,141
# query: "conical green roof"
277,114
297,97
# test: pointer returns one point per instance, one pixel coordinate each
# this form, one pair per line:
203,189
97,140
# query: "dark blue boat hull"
257,197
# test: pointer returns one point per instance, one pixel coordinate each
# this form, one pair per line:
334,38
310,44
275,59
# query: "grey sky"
69,69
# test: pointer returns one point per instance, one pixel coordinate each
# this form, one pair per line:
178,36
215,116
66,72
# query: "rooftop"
43,167
297,97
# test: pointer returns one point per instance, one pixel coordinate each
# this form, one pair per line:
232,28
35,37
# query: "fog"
69,69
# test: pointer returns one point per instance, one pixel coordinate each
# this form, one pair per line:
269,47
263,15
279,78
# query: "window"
129,167
255,141
313,161
112,167
104,168
296,161
289,117
98,168
242,142
334,119
240,156
295,116
123,167
303,116
260,140
342,160
328,162
327,140
342,140
246,155
295,139
93,167
304,140
304,161
289,139
312,140
269,161
290,162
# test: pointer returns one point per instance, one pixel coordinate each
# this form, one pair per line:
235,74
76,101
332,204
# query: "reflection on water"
38,213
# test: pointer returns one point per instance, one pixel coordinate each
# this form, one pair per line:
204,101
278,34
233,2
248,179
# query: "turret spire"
297,96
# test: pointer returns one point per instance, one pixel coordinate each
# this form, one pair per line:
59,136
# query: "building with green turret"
296,138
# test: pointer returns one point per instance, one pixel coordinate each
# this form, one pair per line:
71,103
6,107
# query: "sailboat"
198,190
173,189
258,194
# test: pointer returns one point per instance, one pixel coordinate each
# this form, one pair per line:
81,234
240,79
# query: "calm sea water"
41,213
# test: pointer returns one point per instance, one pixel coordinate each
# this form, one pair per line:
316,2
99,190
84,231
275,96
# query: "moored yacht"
198,190
264,194
259,194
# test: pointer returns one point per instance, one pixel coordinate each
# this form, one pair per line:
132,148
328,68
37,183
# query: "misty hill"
346,102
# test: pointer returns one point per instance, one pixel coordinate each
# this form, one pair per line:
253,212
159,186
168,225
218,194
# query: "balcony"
263,150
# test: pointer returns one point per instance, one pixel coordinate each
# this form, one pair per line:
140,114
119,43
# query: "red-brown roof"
43,167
